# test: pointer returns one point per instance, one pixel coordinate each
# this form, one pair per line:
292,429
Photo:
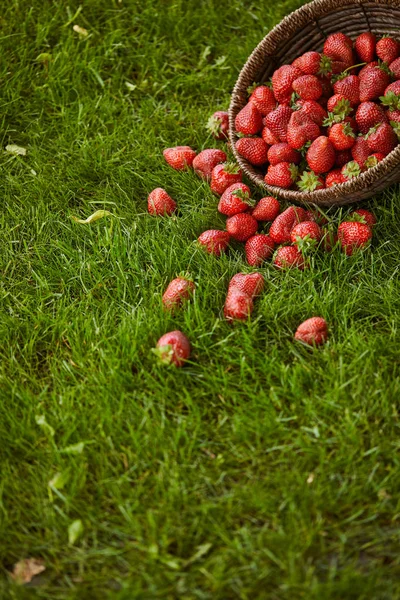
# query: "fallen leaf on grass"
26,569
99,214
74,448
41,421
75,531
81,30
14,149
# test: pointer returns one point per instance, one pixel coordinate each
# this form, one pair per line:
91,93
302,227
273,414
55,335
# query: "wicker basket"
304,30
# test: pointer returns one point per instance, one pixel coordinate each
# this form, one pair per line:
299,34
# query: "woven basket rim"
283,32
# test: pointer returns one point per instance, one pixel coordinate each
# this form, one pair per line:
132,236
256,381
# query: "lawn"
261,470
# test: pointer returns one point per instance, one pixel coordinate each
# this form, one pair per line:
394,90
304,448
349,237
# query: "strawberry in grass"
387,49
365,46
364,216
259,248
241,226
353,236
160,203
218,125
278,121
251,284
255,150
223,176
235,200
178,290
179,157
282,152
238,305
249,120
281,175
309,182
306,234
288,257
214,241
368,115
382,139
321,155
263,99
282,227
313,332
206,160
173,348
267,209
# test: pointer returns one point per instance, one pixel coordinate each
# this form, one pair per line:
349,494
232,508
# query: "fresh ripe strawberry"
393,87
370,65
235,200
309,63
301,129
369,114
206,160
360,151
282,81
339,47
267,209
313,332
278,120
335,177
259,248
350,120
282,152
393,116
342,136
349,87
180,157
251,284
395,68
382,139
365,216
249,120
269,138
351,170
305,232
365,46
373,83
287,257
178,290
241,227
255,150
338,104
343,157
353,235
374,159
214,241
223,176
282,175
238,305
308,87
173,348
218,124
313,110
263,99
282,226
321,155
309,182
388,49
160,203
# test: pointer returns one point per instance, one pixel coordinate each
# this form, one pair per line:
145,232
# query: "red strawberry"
365,46
335,177
214,241
301,129
395,68
370,65
235,200
388,49
393,116
173,348
339,105
339,47
251,284
282,152
282,226
263,99
351,170
178,290
223,176
373,83
365,216
281,175
349,87
313,110
342,136
382,138
343,157
350,120
308,87
321,155
218,124
360,151
287,257
179,157
238,305
241,227
314,331
309,182
353,235
393,87
259,248
160,203
369,114
309,63
253,149
206,160
374,159
267,209
249,120
282,80
278,120
305,234
269,137
315,215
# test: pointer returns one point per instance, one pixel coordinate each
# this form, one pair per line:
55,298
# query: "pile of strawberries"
327,117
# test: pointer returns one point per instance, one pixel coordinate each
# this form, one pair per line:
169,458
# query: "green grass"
261,469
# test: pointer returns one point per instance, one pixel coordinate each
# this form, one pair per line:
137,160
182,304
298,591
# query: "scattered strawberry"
238,305
282,227
308,87
173,348
339,46
177,292
259,248
282,81
249,120
309,182
251,284
301,129
349,87
241,227
342,136
263,99
360,151
214,241
235,200
365,46
321,155
288,257
218,125
312,109
180,157
223,176
353,235
277,122
267,209
160,203
269,138
382,138
206,160
313,332
387,49
373,83
365,216
335,177
282,152
369,114
255,150
305,234
351,170
281,175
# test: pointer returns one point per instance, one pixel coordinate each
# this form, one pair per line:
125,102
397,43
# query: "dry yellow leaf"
26,569
99,214
81,30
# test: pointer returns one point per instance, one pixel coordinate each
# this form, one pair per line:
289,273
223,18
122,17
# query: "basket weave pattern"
304,30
